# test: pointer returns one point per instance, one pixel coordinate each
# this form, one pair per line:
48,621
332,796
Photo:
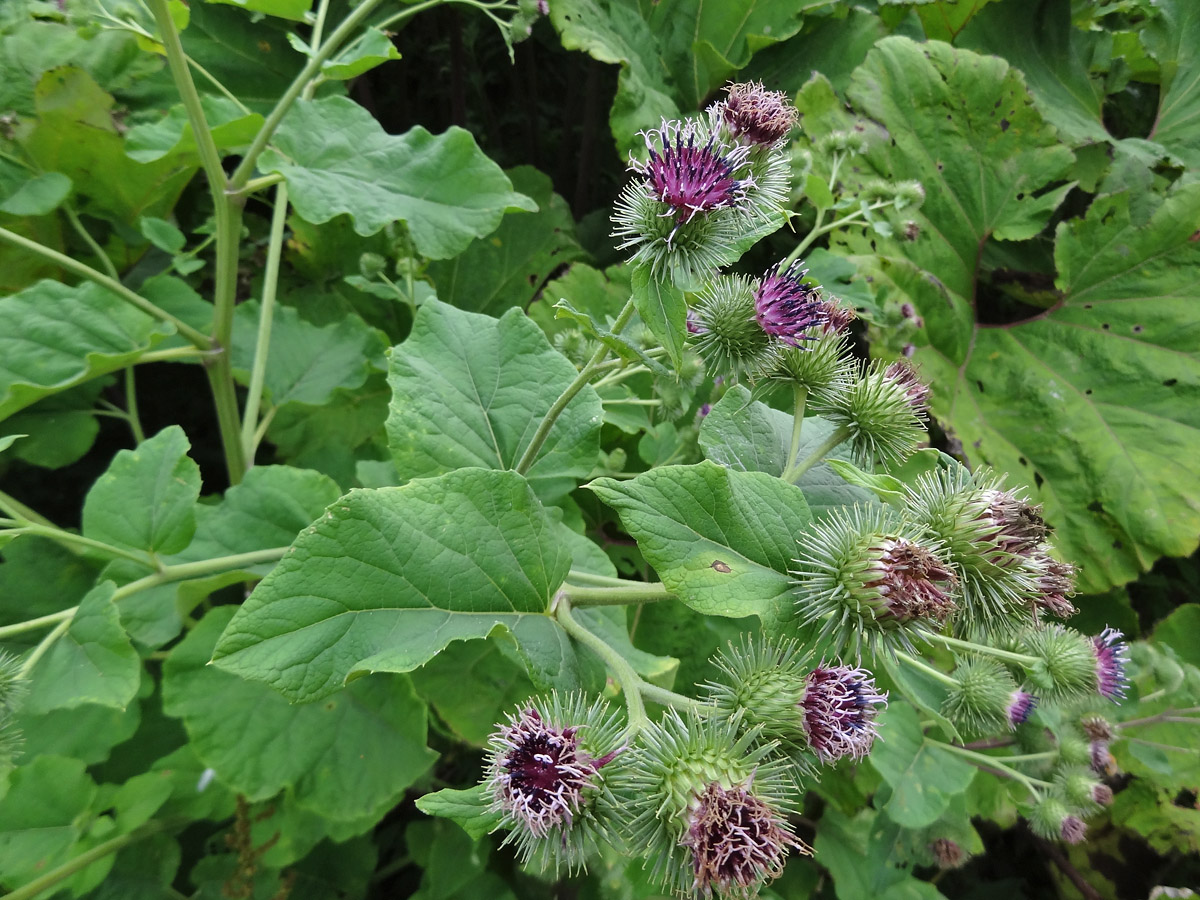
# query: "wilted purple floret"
903,373
539,772
786,308
737,841
839,709
1112,654
755,114
1073,830
688,177
1020,707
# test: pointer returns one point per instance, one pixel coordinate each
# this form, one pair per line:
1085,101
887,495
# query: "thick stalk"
227,212
585,375
836,437
626,595
629,680
663,697
1019,659
172,353
801,399
131,407
266,315
214,566
93,275
577,577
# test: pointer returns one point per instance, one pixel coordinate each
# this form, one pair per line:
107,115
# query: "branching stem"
837,436
631,683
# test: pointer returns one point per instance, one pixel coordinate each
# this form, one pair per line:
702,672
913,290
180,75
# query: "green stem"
631,401
915,663
131,407
585,374
836,437
242,173
577,577
815,233
266,315
8,631
992,763
1019,659
96,249
221,89
663,697
23,513
801,398
257,184
82,861
314,42
227,211
93,275
1032,757
42,648
214,566
630,683
173,353
626,595
69,537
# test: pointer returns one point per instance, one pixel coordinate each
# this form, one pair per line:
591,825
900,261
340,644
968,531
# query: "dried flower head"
1112,656
1073,830
870,577
1054,582
737,841
708,801
757,115
839,708
1097,728
786,308
947,853
543,776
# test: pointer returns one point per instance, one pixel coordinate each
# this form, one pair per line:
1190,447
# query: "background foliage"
443,199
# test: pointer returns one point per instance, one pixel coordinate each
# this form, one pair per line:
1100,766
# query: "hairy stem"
801,399
584,376
199,569
97,277
627,594
8,631
629,680
837,436
266,315
663,697
1019,659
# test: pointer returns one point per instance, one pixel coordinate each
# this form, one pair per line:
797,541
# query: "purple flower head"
1019,528
1102,794
904,374
1020,707
737,841
786,308
839,709
757,115
1112,655
1073,830
911,581
543,7
689,176
694,325
835,317
539,772
705,409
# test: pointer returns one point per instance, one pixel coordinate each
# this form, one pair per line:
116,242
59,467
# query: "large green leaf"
1097,401
509,267
306,363
338,159
172,135
295,10
147,497
92,662
964,126
390,576
42,815
1172,37
614,32
703,44
468,390
54,336
59,428
721,540
348,757
77,134
924,778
